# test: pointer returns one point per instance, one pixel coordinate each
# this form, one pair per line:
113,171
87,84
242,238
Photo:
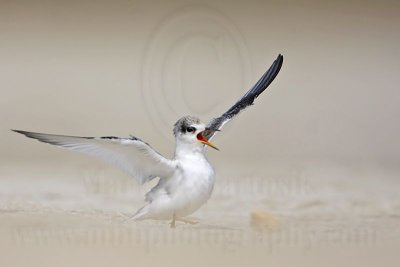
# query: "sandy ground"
260,214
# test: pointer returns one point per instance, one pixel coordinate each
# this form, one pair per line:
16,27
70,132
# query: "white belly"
184,192
194,190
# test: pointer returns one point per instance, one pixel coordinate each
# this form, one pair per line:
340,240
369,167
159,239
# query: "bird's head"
190,130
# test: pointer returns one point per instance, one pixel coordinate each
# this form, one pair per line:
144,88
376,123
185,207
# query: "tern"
186,181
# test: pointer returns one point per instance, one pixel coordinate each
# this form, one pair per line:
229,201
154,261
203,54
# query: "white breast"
196,183
184,192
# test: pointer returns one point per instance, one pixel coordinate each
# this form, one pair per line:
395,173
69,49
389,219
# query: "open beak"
204,140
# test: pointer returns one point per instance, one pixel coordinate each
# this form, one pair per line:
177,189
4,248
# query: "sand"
261,216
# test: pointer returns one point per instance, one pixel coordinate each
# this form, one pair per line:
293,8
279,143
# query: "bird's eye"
190,129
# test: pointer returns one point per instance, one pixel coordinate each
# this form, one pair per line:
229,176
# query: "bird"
186,181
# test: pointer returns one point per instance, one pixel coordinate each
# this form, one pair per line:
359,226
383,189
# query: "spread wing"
247,99
132,155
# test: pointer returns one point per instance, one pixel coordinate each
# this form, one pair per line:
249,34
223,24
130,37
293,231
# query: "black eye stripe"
190,129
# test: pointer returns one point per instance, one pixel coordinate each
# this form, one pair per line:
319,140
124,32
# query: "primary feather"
247,99
132,155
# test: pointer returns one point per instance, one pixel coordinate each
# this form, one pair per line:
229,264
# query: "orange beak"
204,140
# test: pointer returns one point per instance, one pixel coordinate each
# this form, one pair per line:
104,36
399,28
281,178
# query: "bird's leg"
187,221
126,217
173,221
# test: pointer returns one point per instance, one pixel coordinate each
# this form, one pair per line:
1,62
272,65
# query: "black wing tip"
268,77
276,67
40,136
33,135
26,133
280,62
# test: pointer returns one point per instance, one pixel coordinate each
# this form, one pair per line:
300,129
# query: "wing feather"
132,155
247,99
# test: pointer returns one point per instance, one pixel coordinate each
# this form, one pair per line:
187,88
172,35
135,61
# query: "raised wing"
247,99
132,155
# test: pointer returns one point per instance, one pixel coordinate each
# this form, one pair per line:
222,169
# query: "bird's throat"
184,150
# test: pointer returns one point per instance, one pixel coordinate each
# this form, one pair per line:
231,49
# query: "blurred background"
318,150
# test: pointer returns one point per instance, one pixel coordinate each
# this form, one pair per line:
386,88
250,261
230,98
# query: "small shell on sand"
262,220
